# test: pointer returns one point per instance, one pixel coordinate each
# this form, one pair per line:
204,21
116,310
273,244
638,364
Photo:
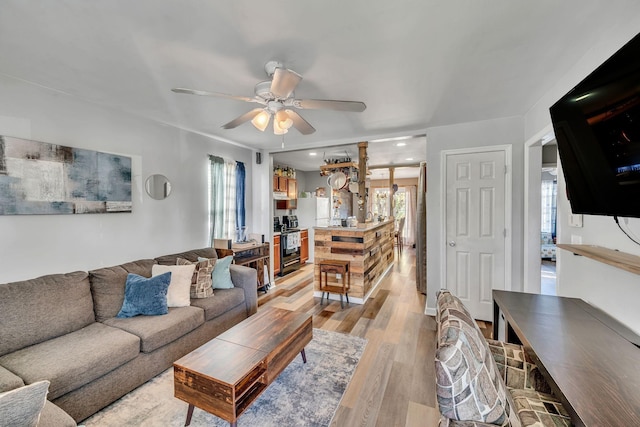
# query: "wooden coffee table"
225,375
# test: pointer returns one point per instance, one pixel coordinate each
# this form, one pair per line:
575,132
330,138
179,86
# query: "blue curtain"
240,211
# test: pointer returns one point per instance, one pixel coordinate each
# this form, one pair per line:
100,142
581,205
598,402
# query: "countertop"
367,226
277,233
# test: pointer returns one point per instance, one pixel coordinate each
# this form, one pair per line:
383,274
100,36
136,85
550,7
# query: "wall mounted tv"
597,128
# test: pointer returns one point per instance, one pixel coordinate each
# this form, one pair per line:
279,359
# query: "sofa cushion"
74,359
107,286
539,409
468,383
223,301
189,255
179,292
516,367
21,407
39,309
201,279
156,331
145,296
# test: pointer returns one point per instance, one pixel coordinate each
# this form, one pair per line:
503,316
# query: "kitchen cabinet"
276,254
304,246
280,183
292,194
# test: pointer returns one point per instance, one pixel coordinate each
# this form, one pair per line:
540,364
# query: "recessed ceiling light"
409,158
313,153
401,144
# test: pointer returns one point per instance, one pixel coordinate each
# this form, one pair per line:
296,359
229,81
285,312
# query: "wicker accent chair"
472,390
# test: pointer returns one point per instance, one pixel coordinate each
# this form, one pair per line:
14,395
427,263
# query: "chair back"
400,226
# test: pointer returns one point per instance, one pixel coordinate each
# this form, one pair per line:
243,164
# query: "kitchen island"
368,248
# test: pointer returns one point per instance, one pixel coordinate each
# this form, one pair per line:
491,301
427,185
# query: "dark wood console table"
255,256
590,366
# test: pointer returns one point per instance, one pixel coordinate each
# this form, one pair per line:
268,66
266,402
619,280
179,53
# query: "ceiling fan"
276,98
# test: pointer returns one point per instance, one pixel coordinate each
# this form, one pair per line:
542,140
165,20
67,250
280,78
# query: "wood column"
361,213
391,203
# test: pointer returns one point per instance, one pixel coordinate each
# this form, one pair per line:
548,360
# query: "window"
226,203
400,203
380,202
549,193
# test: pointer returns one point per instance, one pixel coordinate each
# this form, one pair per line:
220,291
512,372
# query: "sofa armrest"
9,380
53,416
247,279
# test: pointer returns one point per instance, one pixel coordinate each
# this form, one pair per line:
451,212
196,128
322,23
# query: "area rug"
303,395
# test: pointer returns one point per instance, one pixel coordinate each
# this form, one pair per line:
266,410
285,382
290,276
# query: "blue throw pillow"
145,296
221,276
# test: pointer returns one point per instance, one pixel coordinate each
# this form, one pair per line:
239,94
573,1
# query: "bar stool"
335,267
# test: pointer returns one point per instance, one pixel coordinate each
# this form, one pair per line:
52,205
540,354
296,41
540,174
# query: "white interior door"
475,228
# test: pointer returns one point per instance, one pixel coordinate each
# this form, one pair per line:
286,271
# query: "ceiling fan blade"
216,94
243,118
329,104
284,82
299,123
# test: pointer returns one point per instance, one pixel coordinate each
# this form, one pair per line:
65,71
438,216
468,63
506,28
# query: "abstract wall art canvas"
40,178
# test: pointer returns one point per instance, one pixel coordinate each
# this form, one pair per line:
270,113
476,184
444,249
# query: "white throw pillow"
22,406
178,294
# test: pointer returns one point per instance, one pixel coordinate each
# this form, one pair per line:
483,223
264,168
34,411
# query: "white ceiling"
416,64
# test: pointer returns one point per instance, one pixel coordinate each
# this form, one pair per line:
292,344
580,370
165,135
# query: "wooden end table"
225,375
335,266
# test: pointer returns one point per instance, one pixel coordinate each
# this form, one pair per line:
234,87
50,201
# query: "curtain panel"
410,222
240,209
222,210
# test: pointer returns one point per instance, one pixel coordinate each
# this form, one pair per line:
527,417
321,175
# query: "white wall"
507,131
613,290
33,245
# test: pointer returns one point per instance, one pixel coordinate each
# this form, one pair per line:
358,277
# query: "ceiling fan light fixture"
283,119
261,120
277,130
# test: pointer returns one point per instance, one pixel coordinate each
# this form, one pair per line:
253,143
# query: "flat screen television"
597,128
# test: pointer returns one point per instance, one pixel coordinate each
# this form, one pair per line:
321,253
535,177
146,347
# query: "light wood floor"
394,383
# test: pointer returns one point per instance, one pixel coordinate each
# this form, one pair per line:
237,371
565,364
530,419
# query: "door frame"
533,208
508,241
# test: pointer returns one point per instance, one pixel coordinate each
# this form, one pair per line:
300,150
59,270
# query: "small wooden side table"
335,267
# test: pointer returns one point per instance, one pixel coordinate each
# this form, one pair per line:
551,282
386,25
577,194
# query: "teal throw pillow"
145,296
221,276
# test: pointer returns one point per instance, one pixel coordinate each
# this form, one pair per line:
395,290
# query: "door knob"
452,243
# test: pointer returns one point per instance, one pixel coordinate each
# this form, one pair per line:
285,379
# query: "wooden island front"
369,249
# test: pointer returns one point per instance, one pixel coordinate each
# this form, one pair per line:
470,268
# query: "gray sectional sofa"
63,328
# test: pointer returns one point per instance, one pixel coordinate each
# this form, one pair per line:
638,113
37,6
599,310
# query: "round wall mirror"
158,187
